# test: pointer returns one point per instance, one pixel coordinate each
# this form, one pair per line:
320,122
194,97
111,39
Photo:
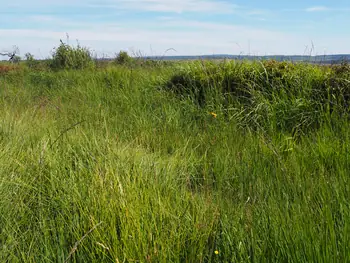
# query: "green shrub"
123,58
69,57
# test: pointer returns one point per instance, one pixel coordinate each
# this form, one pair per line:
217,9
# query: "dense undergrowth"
191,162
269,95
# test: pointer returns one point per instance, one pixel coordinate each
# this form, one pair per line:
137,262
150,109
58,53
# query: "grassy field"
186,162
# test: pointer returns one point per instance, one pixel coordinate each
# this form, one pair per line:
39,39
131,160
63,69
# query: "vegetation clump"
292,97
6,68
123,58
70,57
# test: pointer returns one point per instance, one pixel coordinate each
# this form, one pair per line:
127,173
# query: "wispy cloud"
189,26
171,6
198,38
257,12
317,9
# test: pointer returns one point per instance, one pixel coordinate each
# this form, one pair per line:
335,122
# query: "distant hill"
324,59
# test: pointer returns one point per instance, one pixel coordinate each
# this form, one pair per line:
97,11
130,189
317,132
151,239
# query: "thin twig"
66,130
75,247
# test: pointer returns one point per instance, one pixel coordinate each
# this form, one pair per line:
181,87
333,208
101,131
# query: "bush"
68,57
123,58
16,59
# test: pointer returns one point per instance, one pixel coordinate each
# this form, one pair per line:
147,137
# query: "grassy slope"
132,173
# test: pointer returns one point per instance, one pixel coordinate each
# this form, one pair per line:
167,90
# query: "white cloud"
43,18
179,6
317,9
199,38
172,6
158,32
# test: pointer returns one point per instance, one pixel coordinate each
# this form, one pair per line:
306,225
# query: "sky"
177,27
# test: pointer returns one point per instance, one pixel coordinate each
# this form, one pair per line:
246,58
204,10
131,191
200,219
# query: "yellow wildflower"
213,114
216,252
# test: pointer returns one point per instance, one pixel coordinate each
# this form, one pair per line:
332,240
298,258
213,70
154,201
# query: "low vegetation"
179,162
70,57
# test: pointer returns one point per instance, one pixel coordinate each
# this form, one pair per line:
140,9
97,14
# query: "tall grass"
199,162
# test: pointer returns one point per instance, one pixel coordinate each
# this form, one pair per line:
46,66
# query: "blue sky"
190,27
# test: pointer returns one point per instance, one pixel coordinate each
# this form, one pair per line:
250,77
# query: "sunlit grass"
117,165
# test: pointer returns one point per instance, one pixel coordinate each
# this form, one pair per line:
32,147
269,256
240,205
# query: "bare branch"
11,55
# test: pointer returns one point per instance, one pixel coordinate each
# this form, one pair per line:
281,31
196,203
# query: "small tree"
30,60
29,56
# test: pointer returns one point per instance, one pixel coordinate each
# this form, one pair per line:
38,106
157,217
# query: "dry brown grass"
8,68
